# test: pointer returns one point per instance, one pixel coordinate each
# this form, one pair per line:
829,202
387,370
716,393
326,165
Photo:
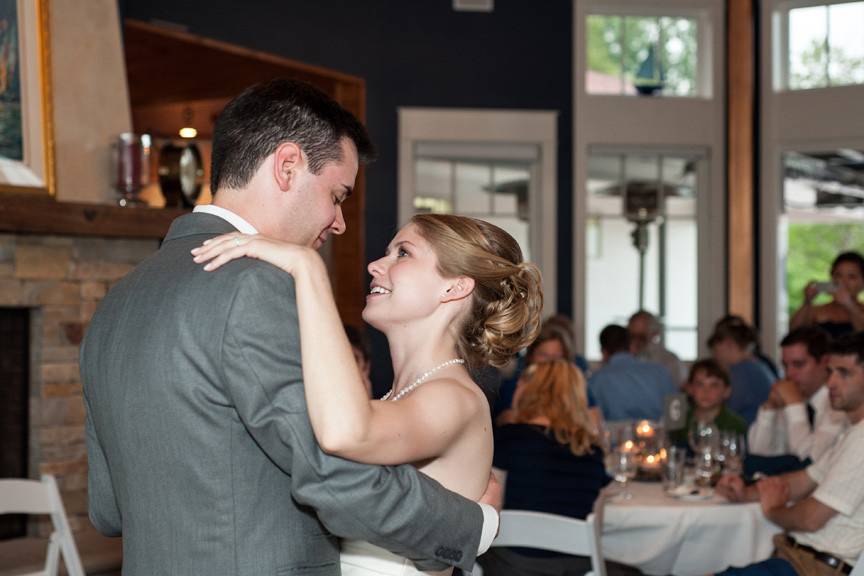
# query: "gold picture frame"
26,120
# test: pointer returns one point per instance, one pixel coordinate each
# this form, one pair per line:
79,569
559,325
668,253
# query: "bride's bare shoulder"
461,394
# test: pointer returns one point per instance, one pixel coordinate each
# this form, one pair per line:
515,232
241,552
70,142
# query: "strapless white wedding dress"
360,558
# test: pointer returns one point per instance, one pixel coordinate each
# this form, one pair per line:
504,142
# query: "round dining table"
660,534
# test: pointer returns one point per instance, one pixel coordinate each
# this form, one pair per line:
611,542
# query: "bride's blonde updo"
507,300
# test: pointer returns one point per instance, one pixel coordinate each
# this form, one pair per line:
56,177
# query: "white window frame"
671,8
703,210
825,119
779,53
652,124
484,126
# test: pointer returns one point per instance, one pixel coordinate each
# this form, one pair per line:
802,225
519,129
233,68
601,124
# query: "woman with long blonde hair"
551,462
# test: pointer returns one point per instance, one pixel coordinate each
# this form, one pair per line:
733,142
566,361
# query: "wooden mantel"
24,214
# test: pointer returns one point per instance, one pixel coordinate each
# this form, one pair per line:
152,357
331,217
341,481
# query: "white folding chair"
552,532
35,497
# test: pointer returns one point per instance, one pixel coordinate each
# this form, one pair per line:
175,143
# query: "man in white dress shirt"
797,420
821,508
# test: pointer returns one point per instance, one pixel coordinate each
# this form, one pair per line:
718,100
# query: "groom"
200,450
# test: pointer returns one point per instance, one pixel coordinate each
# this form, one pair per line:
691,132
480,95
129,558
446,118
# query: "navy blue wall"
412,53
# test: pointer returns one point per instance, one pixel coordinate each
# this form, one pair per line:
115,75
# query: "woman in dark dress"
552,463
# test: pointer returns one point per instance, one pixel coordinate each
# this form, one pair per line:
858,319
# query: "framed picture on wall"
26,136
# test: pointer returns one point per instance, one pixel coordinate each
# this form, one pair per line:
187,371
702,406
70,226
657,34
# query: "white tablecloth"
661,535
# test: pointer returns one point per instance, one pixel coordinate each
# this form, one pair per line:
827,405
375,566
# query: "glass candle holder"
131,167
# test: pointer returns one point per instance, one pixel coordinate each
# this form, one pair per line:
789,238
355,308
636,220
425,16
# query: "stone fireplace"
57,261
60,280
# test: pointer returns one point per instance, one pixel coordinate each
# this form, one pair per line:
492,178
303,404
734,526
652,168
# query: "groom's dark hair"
265,115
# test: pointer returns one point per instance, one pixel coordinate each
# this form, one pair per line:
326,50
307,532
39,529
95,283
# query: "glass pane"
808,58
612,259
603,37
823,198
681,287
846,41
517,228
679,186
472,185
685,343
604,185
679,55
433,185
642,65
612,278
642,174
511,191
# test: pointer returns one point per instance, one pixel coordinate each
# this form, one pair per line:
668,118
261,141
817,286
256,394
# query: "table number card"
675,413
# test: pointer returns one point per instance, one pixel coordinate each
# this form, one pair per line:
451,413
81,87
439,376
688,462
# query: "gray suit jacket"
200,449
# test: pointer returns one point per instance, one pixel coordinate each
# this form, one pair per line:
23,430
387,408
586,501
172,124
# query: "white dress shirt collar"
227,215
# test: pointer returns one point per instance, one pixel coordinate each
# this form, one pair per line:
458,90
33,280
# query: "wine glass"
732,446
706,466
622,465
702,436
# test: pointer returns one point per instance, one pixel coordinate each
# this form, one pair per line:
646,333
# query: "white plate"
688,493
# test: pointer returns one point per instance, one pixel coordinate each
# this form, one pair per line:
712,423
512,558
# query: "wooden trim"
30,215
44,28
349,250
740,176
244,52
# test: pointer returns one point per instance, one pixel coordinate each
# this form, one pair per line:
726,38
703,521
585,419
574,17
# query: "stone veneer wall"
61,279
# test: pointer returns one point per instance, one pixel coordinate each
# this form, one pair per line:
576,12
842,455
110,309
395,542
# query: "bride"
451,294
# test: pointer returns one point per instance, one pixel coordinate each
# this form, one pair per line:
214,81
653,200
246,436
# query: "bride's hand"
222,249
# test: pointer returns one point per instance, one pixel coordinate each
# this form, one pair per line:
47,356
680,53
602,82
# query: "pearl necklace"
421,379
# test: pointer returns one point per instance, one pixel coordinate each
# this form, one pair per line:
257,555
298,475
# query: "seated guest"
844,314
821,508
552,343
565,324
550,462
732,345
796,425
646,344
627,388
708,389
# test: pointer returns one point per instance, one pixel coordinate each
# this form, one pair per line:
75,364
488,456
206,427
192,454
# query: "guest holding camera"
844,314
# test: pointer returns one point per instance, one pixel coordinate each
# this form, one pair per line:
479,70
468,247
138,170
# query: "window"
821,46
478,181
497,165
647,55
823,205
666,282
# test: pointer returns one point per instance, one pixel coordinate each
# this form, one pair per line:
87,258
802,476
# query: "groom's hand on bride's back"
494,495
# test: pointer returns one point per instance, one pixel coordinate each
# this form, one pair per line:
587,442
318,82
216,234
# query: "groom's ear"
287,160
458,288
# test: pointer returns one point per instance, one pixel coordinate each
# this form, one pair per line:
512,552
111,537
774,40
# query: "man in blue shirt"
627,388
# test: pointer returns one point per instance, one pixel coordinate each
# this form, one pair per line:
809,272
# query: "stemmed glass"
622,465
732,448
620,460
704,439
703,436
